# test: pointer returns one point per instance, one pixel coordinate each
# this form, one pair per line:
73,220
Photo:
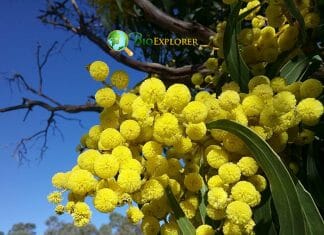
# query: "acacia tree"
257,41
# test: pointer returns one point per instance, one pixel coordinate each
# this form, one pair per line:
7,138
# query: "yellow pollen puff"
231,86
195,112
150,225
99,70
166,129
196,131
252,105
229,173
55,197
190,206
215,214
217,198
278,84
248,166
215,181
157,166
131,164
87,158
258,80
170,228
59,180
230,228
122,153
177,97
152,190
105,200
259,182
183,146
151,149
119,79
284,102
310,111
245,191
105,97
238,212
106,166
193,182
197,79
81,214
129,180
130,129
109,139
264,91
59,209
94,132
81,182
205,230
311,88
134,214
126,101
217,156
229,99
152,90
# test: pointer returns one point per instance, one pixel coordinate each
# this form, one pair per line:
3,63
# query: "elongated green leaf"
184,224
263,216
294,69
313,218
202,204
282,186
236,66
292,8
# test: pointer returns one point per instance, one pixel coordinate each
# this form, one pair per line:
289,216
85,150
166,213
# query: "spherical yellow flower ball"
284,102
215,181
215,214
119,79
130,129
99,70
264,132
134,214
105,200
122,153
258,80
205,229
193,182
87,158
152,90
110,138
264,91
196,131
150,225
279,141
81,182
55,197
245,191
166,129
59,180
229,99
81,214
305,137
248,166
152,190
231,86
131,164
234,144
217,156
94,132
105,97
230,228
217,198
197,79
59,209
204,97
310,111
311,88
195,112
278,84
238,212
106,166
157,166
183,146
69,207
129,181
151,149
229,173
170,228
190,206
177,97
259,182
126,101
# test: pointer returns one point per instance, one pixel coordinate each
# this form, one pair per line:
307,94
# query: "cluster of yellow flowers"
271,32
155,137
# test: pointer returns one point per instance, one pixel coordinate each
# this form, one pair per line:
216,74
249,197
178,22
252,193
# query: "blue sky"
24,189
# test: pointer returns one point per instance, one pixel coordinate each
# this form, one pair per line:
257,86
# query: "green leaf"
202,204
313,218
236,66
294,69
292,8
263,217
282,186
184,224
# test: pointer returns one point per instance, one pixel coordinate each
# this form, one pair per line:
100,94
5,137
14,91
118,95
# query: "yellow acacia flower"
197,79
215,214
81,182
238,212
105,97
81,214
278,84
151,149
245,191
152,190
134,214
205,230
166,129
170,228
122,153
87,158
157,166
152,90
150,225
105,200
109,139
217,198
129,181
230,228
59,209
193,182
106,166
196,131
126,101
258,80
284,102
119,79
195,112
259,182
99,70
248,166
190,206
131,164
217,156
229,173
130,129
231,86
59,180
55,197
229,99
177,97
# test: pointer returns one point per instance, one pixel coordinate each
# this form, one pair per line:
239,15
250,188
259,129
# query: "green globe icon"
118,41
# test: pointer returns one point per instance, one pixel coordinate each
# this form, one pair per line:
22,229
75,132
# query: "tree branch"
167,22
55,16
